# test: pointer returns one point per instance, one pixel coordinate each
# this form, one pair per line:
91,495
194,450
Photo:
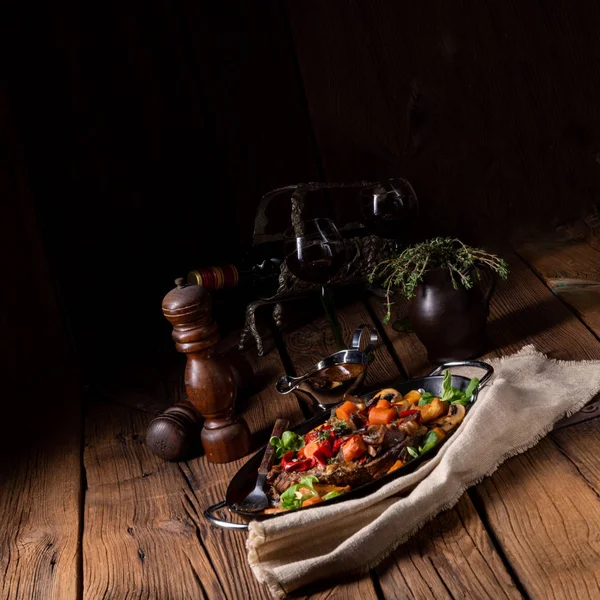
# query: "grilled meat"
341,473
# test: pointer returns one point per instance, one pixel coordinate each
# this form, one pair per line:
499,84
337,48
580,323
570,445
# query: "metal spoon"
257,500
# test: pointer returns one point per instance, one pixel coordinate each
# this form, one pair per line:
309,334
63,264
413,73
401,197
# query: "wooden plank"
41,492
426,90
545,517
459,554
452,557
144,528
310,343
570,267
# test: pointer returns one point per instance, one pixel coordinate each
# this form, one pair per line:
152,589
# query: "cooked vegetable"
389,394
412,451
354,448
344,411
396,466
471,388
323,489
311,448
312,500
289,441
361,442
433,410
331,495
291,464
406,413
381,416
295,495
454,395
456,413
431,439
426,398
412,397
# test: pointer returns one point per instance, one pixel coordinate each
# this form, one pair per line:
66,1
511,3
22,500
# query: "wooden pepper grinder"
209,380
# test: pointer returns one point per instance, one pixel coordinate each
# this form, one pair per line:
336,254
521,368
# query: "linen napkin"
526,396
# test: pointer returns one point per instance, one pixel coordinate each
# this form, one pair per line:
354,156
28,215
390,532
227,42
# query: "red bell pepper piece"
320,457
337,445
407,413
291,465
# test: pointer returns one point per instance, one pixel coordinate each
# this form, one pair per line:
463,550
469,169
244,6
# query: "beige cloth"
524,399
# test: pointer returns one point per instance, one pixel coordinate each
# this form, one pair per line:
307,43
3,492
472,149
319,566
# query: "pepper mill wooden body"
209,381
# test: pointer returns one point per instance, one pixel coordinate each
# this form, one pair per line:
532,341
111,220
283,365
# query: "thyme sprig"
406,271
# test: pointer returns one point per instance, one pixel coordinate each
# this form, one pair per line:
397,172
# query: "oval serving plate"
244,480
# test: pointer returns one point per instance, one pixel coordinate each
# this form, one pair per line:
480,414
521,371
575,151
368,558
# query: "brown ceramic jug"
450,322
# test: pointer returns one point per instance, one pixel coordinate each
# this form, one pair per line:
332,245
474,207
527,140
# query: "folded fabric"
524,399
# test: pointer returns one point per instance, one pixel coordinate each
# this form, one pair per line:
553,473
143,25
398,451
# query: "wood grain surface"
482,106
312,342
570,267
41,493
453,557
144,528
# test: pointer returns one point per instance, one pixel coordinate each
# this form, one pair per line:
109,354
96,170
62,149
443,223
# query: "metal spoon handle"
287,383
278,429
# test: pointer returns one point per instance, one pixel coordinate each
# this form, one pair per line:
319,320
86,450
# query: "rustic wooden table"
92,514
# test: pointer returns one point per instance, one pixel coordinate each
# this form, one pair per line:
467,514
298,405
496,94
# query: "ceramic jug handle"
373,338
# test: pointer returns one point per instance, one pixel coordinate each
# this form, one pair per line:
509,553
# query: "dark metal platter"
244,480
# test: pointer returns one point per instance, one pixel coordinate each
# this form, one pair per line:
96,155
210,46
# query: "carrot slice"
311,448
311,501
396,466
383,404
382,416
344,411
354,448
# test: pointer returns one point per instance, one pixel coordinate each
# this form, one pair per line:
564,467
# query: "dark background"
138,141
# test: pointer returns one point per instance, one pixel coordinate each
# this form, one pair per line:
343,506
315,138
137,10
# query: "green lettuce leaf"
293,499
429,442
471,387
289,441
331,495
412,451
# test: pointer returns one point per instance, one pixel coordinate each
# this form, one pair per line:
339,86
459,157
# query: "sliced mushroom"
373,450
389,394
402,405
375,435
456,413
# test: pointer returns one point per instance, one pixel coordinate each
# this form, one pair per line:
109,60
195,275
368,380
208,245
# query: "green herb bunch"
406,271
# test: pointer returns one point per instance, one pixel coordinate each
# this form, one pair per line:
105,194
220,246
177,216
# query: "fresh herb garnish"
454,395
471,387
339,426
333,494
293,498
323,434
429,442
288,442
426,398
412,451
